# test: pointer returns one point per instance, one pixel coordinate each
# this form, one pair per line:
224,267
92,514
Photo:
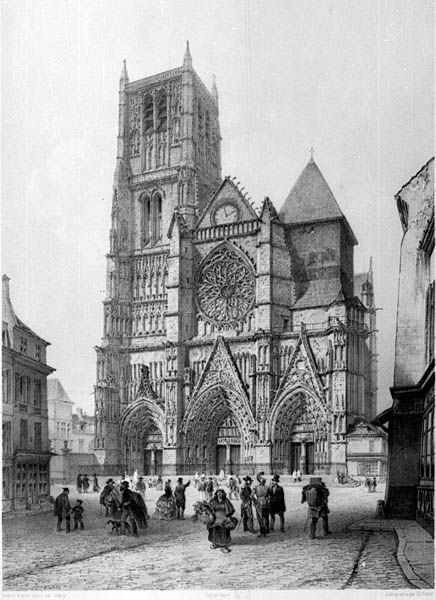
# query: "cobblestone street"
176,554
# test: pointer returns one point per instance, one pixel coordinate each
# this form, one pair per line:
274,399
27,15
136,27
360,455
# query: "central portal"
228,448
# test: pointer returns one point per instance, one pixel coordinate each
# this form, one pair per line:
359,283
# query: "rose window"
225,287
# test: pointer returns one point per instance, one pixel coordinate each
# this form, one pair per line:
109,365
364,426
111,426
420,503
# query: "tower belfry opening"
233,339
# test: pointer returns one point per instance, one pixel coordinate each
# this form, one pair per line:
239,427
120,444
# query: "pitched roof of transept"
310,199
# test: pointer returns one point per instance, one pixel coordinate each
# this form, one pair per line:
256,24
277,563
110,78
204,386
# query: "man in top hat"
134,509
316,494
179,493
277,503
62,509
246,496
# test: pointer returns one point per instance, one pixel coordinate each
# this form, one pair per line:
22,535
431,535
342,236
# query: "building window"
38,352
371,445
37,436
5,335
68,429
80,445
427,446
6,483
23,434
429,323
367,469
37,395
7,438
23,346
7,385
63,429
43,479
148,114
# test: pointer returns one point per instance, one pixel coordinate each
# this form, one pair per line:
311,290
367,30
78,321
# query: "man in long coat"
277,503
62,509
133,508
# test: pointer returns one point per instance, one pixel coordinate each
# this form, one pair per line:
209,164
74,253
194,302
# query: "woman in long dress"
166,505
222,521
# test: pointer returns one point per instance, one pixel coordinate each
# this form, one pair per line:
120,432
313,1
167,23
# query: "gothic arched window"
145,219
148,114
150,219
162,111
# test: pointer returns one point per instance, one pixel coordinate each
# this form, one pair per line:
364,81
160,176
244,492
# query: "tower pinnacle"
124,78
312,150
187,59
214,90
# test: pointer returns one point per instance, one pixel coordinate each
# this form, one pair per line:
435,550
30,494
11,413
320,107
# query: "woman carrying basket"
222,521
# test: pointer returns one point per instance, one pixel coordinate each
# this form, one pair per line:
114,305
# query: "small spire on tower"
370,272
124,78
214,89
187,59
312,150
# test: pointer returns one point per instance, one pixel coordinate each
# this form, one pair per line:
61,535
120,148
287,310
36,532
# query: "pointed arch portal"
141,427
216,432
299,433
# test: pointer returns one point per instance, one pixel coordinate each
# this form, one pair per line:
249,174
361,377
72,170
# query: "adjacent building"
68,431
233,338
367,450
26,456
410,486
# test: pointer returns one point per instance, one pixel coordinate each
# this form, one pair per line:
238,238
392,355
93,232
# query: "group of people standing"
82,484
370,485
266,502
127,510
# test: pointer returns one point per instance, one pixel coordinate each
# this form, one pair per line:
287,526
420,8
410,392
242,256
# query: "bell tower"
168,163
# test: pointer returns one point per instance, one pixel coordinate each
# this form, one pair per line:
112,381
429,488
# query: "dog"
119,527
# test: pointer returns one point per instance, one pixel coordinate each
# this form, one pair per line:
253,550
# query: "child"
77,511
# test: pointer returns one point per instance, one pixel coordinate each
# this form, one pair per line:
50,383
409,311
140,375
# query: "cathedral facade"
233,338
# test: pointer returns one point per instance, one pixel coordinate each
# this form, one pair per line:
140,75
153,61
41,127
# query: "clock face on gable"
226,213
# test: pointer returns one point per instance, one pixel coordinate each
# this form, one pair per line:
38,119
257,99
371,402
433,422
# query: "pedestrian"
166,505
79,483
95,486
222,522
294,475
85,484
277,503
179,493
374,484
133,509
196,479
135,478
261,503
62,510
202,487
159,483
77,511
246,495
111,497
298,475
140,487
150,482
366,485
316,494
209,489
233,488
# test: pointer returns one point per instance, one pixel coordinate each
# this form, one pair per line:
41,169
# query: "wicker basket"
205,518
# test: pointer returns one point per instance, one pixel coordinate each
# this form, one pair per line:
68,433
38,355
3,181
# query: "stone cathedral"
233,338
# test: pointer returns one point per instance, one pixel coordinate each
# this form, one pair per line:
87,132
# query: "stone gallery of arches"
233,339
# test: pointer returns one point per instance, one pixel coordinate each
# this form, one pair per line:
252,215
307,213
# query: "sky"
351,78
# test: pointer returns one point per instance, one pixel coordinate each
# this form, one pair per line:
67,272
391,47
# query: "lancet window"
150,219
